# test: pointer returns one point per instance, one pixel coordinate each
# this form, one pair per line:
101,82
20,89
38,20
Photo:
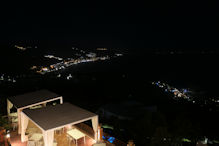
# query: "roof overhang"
33,98
58,116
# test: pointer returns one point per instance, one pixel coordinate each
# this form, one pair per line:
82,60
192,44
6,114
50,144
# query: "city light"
67,62
178,93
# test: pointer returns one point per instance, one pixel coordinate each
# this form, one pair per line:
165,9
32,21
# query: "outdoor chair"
14,125
59,131
30,143
54,143
40,143
70,139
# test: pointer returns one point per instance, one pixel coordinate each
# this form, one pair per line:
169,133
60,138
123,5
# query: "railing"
90,133
85,129
117,142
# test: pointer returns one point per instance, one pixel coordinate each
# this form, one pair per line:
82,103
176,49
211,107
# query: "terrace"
53,125
60,137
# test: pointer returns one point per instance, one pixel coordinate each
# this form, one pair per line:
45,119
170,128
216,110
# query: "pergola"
31,99
51,118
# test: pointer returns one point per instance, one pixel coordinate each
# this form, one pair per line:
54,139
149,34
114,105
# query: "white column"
95,127
61,100
19,120
100,133
48,137
24,123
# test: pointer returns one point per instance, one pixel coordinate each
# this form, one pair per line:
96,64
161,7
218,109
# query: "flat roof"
30,98
52,117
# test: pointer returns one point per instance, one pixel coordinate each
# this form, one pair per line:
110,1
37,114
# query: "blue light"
185,90
104,137
111,139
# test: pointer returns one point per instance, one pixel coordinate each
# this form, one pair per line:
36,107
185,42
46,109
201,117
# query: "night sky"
148,24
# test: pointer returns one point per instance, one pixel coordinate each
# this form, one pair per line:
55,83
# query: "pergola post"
100,133
48,137
19,120
24,123
61,100
95,127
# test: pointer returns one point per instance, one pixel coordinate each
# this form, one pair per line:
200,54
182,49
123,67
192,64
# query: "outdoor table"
76,134
36,137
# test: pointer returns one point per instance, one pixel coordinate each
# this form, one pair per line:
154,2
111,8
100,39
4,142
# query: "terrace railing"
90,133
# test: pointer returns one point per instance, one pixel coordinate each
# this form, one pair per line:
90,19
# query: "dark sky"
156,24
